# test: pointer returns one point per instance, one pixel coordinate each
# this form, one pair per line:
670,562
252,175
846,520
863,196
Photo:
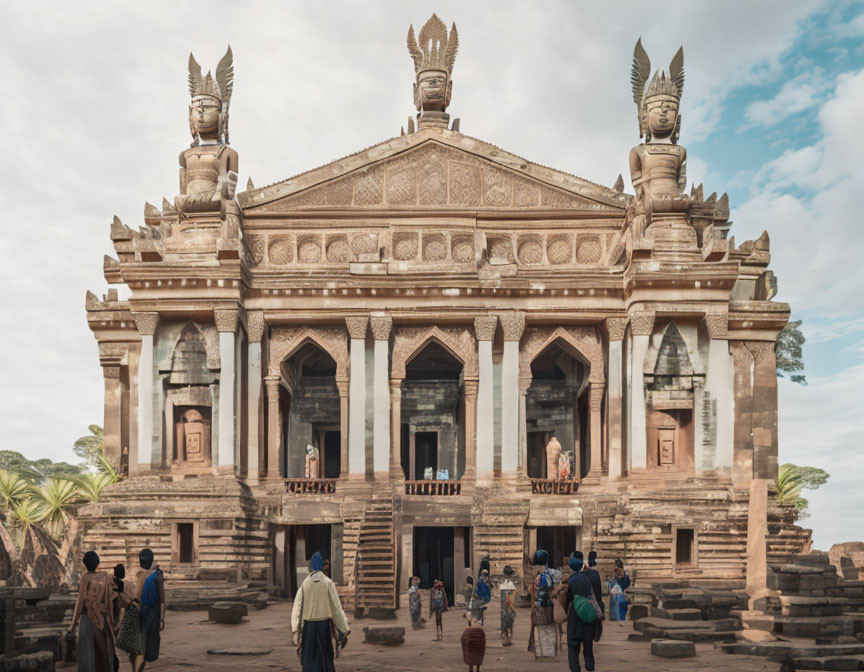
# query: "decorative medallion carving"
463,250
381,327
588,250
464,184
501,250
434,247
366,243
559,250
642,323
309,250
530,251
513,324
405,246
526,195
402,187
485,326
255,325
337,250
432,179
226,319
459,341
581,343
497,188
617,327
718,324
256,246
281,250
368,190
284,342
146,322
357,326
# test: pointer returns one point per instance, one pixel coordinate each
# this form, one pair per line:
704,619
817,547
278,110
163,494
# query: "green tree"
90,485
36,471
89,448
56,500
13,490
789,352
792,480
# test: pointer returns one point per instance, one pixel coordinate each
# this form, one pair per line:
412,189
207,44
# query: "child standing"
415,604
438,605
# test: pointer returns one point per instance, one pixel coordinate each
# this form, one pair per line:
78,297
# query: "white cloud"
796,95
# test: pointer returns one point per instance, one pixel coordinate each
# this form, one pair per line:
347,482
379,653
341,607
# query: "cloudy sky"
93,116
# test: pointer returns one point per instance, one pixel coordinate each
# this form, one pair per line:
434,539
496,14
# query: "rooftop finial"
433,57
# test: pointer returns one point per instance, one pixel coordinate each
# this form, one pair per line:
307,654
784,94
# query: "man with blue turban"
315,606
580,632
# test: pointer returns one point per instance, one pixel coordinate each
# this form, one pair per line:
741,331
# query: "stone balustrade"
431,487
545,486
311,486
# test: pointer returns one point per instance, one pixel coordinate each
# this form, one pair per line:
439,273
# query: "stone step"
668,624
829,663
677,614
781,649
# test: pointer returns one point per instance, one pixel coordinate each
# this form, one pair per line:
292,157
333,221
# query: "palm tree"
13,490
89,448
90,486
789,485
55,501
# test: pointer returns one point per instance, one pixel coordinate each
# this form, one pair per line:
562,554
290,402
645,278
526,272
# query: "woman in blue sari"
618,585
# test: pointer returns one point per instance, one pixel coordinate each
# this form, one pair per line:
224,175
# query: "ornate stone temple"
372,359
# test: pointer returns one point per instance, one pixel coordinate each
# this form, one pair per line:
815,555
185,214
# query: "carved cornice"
255,325
357,326
226,319
146,322
382,325
642,322
616,326
485,326
513,324
718,324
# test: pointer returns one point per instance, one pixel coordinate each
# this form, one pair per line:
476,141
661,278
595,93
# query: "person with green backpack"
583,615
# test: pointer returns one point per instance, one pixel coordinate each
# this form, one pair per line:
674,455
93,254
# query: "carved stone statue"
553,450
433,66
208,169
658,166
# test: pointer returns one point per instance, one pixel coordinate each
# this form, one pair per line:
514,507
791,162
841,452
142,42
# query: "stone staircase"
500,534
375,588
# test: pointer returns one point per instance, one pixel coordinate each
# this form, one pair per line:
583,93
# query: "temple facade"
433,351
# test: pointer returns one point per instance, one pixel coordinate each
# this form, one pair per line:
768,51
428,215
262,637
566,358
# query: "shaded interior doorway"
433,557
559,541
330,446
293,549
537,454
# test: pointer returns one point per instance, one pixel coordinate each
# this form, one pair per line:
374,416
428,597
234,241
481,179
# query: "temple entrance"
557,403
293,548
311,435
559,541
433,416
434,558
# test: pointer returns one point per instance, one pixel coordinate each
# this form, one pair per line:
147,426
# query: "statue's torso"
661,167
203,167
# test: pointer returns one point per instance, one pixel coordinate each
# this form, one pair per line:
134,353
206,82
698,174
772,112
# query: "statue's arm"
229,177
636,171
182,172
682,172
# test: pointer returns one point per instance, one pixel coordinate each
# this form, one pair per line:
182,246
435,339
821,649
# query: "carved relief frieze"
434,247
146,322
255,325
226,319
462,249
589,249
357,326
642,323
281,250
309,249
530,250
459,341
285,341
582,343
485,326
381,327
512,324
257,246
337,249
405,246
616,326
364,243
559,250
718,324
500,250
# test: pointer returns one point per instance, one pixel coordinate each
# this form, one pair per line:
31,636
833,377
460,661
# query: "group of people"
114,613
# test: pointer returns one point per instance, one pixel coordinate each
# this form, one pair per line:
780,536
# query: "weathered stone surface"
638,611
668,648
229,613
379,634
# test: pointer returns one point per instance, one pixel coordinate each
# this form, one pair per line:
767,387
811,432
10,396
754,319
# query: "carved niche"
582,342
192,436
459,341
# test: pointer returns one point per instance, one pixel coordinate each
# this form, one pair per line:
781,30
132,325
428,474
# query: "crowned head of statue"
211,97
659,100
433,55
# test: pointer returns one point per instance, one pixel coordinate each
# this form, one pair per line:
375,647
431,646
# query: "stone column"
513,324
146,324
470,474
342,386
357,397
485,327
111,426
641,327
615,326
381,325
396,473
255,331
524,384
764,409
274,428
595,431
757,544
226,324
742,357
719,391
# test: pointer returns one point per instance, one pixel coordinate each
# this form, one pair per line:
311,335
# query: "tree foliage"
789,352
792,480
36,471
89,447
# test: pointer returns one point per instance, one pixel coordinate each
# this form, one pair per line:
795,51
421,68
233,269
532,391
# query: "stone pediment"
432,169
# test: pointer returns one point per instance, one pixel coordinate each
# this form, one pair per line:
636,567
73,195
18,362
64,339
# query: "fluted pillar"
255,332
357,397
595,429
485,327
226,324
470,474
641,327
146,324
274,428
513,324
396,473
615,326
381,325
719,386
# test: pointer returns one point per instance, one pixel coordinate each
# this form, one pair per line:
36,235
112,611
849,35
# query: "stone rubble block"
668,648
228,613
390,635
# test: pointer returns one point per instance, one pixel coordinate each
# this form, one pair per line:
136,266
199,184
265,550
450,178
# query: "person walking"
94,610
618,585
508,607
543,639
150,593
315,605
597,585
438,605
580,630
415,604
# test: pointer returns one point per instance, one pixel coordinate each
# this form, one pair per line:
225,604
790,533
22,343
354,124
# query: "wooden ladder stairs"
375,570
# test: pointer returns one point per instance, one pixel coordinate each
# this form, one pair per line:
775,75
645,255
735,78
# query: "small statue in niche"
208,169
658,167
193,438
553,451
433,65
312,469
565,465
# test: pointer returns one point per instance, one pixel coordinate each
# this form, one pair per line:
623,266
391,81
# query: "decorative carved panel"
459,341
580,342
284,342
